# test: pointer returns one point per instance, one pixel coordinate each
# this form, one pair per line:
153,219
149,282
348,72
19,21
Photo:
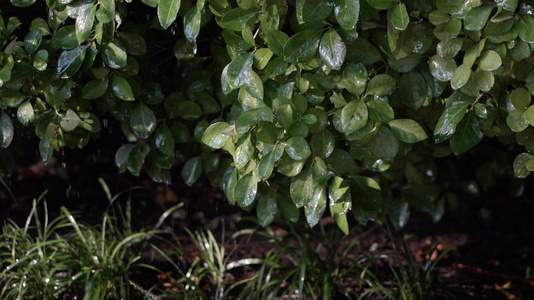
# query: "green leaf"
267,210
380,111
385,145
266,165
262,57
339,196
214,135
317,205
25,113
70,61
189,110
484,80
32,41
164,140
192,170
525,28
400,17
489,60
448,121
142,121
284,115
84,21
253,85
413,89
244,152
167,11
408,130
65,37
121,88
449,48
22,3
323,143
477,17
381,4
122,156
45,150
347,13
355,78
237,19
297,148
302,46
192,21
353,116
362,51
460,76
69,121
7,130
441,68
520,98
106,11
54,134
276,40
312,11
399,212
95,89
236,73
523,165
134,43
517,121
467,134
332,50
114,54
340,162
56,95
246,189
369,194
381,85
40,60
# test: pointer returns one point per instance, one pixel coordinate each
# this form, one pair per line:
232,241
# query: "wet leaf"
460,76
525,28
484,80
407,130
142,121
164,140
316,207
45,150
442,68
246,189
297,148
520,98
284,114
167,11
235,74
121,88
347,13
7,130
244,152
214,135
22,3
332,50
467,134
385,145
400,18
340,162
70,120
323,143
192,23
84,21
238,18
355,78
302,46
381,4
517,121
106,11
114,54
477,17
362,51
339,196
353,116
523,165
380,111
381,85
192,170
266,165
32,41
267,210
489,60
25,113
70,61
369,194
448,121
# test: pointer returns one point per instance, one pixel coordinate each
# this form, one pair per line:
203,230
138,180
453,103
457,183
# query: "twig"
8,190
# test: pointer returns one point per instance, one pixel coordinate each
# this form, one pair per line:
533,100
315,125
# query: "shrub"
310,101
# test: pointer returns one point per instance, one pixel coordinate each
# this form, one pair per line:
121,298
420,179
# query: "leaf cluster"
309,101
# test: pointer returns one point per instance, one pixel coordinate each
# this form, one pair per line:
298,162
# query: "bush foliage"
314,104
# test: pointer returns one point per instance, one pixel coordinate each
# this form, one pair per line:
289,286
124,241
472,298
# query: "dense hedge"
313,103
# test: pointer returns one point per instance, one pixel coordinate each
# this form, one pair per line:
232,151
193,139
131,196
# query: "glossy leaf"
167,11
332,50
448,121
246,189
381,85
381,4
316,207
106,11
164,140
489,60
413,89
460,76
32,41
214,135
311,11
385,145
525,28
45,150
69,121
25,113
7,131
142,121
192,23
22,3
353,116
302,46
520,98
297,148
517,121
121,88
347,13
114,54
477,17
355,78
322,143
380,111
235,74
192,170
523,165
266,165
369,192
400,18
467,134
84,21
441,68
238,18
407,130
339,196
267,210
70,61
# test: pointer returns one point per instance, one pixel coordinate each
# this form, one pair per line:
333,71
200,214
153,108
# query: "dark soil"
490,252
